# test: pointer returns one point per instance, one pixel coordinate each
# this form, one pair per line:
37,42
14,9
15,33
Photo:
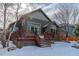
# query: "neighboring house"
69,28
72,30
63,30
67,32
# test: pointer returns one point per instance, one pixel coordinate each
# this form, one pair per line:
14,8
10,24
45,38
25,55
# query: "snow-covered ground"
57,49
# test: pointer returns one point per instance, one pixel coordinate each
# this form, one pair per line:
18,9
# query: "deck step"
45,45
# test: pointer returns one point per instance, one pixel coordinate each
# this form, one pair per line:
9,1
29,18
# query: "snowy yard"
57,49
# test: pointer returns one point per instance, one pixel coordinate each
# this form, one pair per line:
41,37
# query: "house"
36,22
67,29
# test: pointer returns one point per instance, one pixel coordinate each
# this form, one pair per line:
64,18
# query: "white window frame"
39,28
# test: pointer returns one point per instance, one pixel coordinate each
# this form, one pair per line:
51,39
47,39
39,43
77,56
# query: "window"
35,29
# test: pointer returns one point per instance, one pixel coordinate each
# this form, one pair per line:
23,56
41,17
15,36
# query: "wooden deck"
23,38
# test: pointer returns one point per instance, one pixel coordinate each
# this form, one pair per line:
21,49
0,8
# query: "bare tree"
4,26
66,13
5,9
4,16
18,6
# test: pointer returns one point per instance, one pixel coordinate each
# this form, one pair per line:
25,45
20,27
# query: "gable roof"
39,14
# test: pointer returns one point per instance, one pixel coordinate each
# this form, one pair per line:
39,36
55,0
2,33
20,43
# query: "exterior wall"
39,15
39,26
71,31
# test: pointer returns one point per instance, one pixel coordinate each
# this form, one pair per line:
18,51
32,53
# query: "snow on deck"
57,49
